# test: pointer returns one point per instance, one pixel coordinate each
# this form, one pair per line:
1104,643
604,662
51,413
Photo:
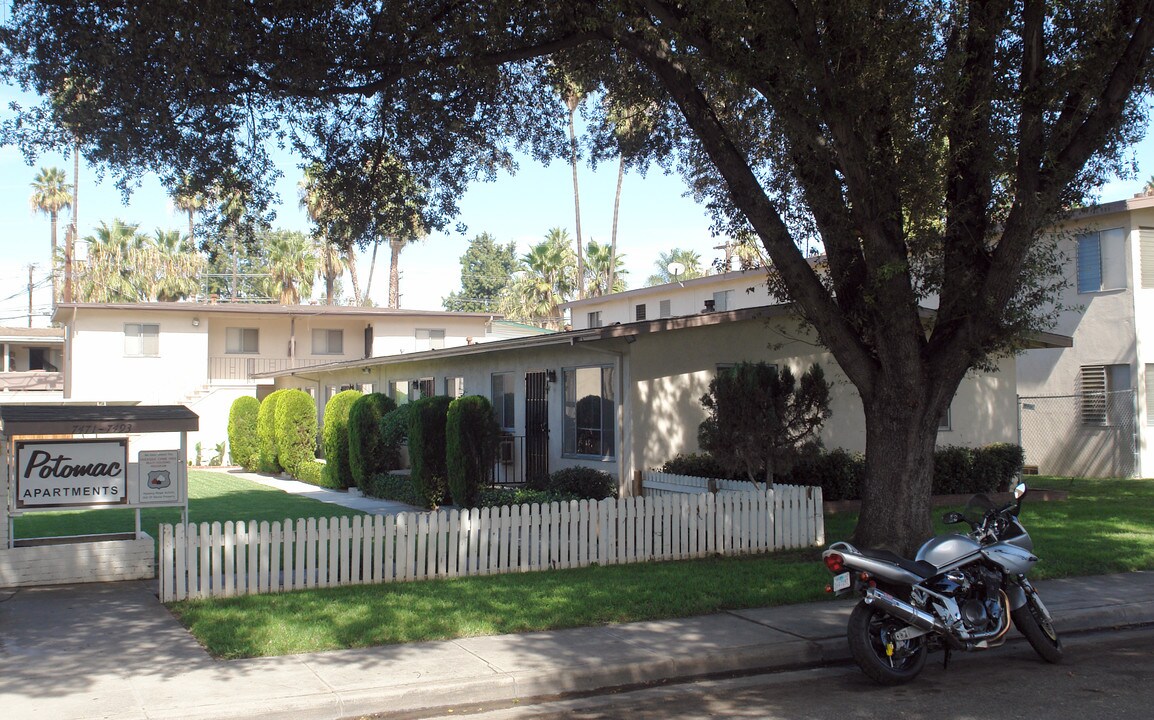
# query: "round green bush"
471,435
369,454
266,432
335,439
242,438
584,482
427,447
296,422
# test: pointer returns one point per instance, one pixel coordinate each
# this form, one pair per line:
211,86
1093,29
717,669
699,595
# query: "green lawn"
1105,526
212,496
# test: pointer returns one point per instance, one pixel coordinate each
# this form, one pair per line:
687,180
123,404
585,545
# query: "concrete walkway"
346,498
113,651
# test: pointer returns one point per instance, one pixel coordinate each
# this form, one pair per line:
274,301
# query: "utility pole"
31,267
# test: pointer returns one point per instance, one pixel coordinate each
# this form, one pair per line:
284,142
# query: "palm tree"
337,253
108,273
546,279
50,195
175,263
188,200
631,124
688,258
292,266
415,232
331,265
572,95
603,268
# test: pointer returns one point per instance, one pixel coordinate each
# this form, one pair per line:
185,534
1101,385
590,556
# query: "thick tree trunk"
901,432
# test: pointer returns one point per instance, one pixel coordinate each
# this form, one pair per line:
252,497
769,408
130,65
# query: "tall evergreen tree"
486,268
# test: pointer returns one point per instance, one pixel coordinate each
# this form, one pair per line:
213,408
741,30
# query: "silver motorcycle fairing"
1012,559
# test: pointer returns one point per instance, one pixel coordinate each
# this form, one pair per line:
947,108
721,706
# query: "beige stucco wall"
1110,327
671,372
661,378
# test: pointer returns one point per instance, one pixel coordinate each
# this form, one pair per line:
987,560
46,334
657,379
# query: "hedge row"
840,473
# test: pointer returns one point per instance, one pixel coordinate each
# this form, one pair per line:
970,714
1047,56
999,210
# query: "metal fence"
1082,435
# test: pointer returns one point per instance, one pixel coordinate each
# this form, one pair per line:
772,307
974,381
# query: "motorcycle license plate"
841,582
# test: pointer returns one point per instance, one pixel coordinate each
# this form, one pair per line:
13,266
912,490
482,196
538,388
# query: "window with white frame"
722,300
594,319
1101,261
590,412
503,400
141,339
1101,390
430,339
454,387
665,309
241,340
1146,263
399,391
328,342
945,422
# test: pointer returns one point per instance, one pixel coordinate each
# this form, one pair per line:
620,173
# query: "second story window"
595,319
141,340
328,342
430,339
639,311
1101,261
241,341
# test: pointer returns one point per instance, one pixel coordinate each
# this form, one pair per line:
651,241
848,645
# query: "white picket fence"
239,558
658,483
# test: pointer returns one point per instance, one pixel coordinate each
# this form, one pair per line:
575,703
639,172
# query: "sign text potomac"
72,472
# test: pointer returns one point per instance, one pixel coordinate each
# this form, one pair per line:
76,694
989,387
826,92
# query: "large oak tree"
922,146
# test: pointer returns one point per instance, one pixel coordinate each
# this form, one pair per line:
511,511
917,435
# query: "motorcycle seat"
921,568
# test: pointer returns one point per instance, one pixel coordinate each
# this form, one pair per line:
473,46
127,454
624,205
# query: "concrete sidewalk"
113,651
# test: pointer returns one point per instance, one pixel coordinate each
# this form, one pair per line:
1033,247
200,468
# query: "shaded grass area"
1104,527
212,496
358,616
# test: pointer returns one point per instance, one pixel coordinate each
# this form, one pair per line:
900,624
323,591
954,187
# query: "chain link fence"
1082,435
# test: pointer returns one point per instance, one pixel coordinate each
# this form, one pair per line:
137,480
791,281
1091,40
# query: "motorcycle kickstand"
946,658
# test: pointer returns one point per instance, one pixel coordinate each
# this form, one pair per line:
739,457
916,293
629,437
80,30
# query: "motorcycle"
961,592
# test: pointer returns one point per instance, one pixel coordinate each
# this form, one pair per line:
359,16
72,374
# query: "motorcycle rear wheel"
877,653
1031,621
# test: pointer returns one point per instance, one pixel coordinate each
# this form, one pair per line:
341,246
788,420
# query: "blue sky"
655,216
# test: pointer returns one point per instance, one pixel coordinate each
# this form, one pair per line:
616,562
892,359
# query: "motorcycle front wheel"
1032,621
875,650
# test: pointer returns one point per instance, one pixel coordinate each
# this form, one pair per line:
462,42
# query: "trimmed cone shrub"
369,454
427,447
296,423
268,461
335,439
471,435
244,447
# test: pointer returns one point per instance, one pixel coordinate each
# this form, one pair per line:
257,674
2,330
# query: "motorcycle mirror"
1019,490
952,518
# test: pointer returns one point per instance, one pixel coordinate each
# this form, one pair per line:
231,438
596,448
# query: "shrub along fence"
203,560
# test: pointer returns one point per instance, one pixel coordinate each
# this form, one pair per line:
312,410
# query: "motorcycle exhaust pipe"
909,614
